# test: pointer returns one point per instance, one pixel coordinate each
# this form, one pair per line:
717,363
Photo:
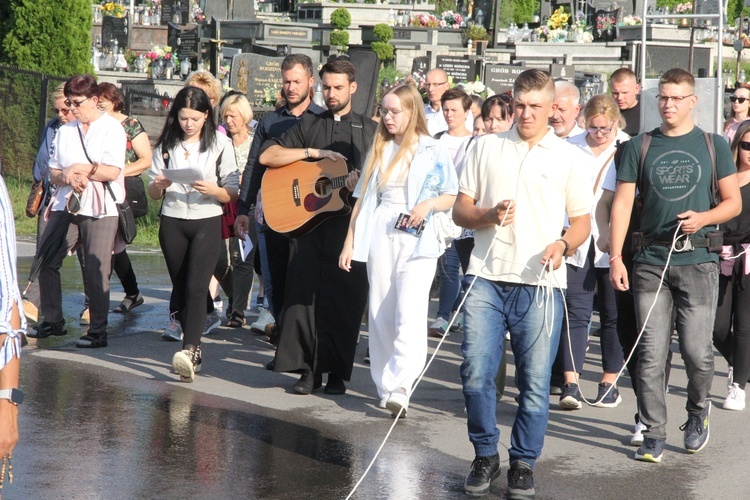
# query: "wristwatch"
15,396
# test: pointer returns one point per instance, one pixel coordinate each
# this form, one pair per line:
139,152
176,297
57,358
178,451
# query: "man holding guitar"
297,80
323,305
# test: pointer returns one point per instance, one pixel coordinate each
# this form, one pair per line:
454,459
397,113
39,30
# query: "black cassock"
323,305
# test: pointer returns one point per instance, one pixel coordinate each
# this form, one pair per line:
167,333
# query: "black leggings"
188,246
124,270
732,325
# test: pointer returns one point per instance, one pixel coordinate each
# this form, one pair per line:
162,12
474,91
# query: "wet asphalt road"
115,423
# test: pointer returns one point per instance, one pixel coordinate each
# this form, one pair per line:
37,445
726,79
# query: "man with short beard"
297,80
323,305
567,106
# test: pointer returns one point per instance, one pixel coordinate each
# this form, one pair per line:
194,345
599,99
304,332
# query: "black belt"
680,244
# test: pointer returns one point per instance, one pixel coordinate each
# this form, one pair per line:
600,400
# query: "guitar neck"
338,182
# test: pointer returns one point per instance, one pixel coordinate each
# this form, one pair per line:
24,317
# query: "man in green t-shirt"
676,187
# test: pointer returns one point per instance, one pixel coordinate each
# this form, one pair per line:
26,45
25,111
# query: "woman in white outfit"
406,172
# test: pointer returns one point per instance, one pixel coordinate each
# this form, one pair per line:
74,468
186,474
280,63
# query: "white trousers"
399,299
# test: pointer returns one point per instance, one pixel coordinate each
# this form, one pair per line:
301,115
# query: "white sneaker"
213,320
637,438
396,401
173,331
735,399
730,378
186,363
438,328
264,318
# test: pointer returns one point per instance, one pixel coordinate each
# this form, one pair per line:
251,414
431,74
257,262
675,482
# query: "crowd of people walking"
530,210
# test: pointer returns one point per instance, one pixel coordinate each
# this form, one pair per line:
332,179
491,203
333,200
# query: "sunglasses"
745,145
740,100
77,104
58,111
74,203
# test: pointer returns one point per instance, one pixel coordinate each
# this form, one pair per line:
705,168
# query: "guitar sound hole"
323,187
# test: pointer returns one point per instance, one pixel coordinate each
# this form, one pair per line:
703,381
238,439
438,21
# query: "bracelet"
307,152
612,259
94,168
567,246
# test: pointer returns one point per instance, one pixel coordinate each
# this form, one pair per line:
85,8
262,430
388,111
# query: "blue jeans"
692,291
492,308
450,283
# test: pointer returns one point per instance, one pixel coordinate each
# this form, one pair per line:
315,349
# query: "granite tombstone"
255,75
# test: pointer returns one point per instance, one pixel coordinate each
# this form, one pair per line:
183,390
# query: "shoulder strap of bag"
714,176
645,143
106,184
165,155
603,168
358,140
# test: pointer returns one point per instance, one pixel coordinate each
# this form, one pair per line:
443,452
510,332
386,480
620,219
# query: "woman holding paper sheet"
190,229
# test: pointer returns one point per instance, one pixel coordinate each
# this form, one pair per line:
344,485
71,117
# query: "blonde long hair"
411,102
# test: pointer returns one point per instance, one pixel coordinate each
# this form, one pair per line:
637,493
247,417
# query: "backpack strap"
714,176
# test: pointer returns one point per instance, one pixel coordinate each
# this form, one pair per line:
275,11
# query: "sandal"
236,321
129,303
92,341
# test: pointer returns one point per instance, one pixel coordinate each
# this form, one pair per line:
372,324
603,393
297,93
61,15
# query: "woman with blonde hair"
208,82
235,274
740,100
407,177
588,268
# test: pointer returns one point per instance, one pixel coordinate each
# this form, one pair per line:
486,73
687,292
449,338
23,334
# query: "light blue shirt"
429,155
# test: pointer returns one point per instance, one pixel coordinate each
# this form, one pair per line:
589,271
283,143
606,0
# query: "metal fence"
25,107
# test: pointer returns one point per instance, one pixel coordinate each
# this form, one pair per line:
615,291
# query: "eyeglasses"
735,98
603,131
77,104
664,99
429,85
102,106
64,111
745,145
74,203
385,112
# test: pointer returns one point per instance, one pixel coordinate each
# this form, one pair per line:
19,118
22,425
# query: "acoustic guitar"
301,195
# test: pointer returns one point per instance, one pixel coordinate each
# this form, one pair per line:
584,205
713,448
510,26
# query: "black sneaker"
48,329
570,399
520,481
650,451
696,430
608,396
484,470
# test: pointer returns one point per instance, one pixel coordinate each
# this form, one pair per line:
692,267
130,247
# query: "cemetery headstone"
253,74
420,65
115,28
501,77
565,72
184,41
460,69
169,6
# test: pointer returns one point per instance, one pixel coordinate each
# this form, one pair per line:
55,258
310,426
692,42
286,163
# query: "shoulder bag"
128,229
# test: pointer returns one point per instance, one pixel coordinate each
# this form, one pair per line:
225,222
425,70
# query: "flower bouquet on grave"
476,88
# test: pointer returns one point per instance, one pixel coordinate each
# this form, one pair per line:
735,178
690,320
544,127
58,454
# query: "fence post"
43,106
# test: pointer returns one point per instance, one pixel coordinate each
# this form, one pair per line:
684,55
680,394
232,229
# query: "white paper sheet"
183,175
246,246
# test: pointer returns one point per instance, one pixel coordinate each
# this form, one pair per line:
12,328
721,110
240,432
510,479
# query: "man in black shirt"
297,80
323,305
625,90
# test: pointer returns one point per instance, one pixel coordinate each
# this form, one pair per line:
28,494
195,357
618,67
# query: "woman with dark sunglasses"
740,112
86,165
190,229
731,334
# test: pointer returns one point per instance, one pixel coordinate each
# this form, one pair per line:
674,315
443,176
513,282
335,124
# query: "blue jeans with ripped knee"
491,309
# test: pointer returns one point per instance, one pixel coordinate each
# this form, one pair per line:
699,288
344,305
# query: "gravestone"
368,66
229,9
501,77
565,72
460,69
169,6
252,74
420,65
115,28
184,40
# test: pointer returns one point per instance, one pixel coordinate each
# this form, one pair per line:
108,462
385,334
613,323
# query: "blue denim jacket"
429,154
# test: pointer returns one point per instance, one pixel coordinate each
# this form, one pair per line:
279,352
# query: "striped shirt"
9,293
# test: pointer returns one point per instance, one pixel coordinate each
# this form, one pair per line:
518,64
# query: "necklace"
188,150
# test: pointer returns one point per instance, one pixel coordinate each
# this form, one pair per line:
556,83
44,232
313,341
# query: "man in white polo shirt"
515,191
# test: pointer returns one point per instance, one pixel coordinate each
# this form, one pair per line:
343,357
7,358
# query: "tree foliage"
524,10
384,50
340,38
340,18
383,32
52,36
